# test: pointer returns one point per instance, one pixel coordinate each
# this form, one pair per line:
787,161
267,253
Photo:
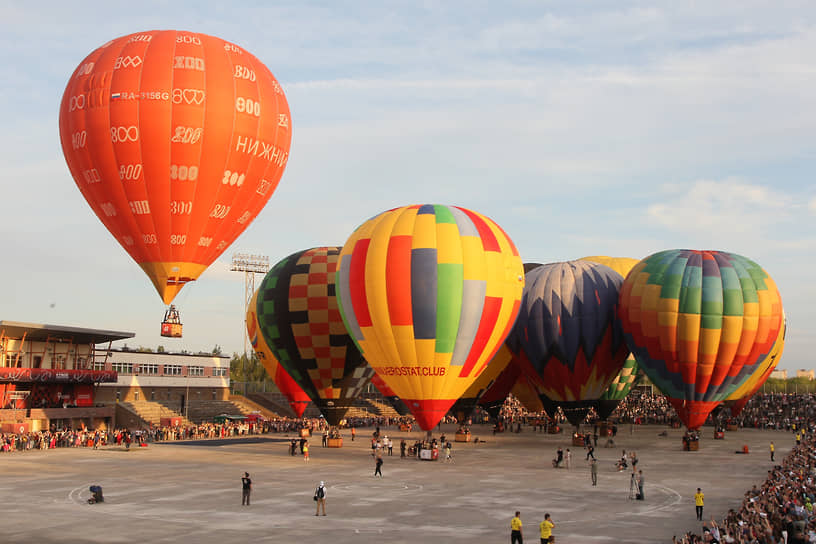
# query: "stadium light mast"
250,265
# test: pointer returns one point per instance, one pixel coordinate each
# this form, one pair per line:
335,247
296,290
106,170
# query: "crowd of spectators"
779,511
777,411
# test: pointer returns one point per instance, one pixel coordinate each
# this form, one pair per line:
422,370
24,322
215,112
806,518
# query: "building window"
99,365
214,395
172,370
123,368
219,371
152,394
135,395
150,368
195,370
118,395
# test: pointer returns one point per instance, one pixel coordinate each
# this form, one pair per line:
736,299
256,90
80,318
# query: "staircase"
383,408
151,412
275,402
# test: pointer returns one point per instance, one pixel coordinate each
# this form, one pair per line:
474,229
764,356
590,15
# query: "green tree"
247,368
160,349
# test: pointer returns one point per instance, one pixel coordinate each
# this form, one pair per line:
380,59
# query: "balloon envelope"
568,331
298,400
464,405
300,321
621,265
699,323
619,388
176,140
392,398
429,293
740,397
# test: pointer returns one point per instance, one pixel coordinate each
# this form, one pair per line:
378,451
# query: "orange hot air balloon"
176,140
298,399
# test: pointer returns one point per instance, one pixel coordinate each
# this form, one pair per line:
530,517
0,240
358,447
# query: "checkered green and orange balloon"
699,324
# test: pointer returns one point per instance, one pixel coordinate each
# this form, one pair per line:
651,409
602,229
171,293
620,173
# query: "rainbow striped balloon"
429,293
737,400
699,323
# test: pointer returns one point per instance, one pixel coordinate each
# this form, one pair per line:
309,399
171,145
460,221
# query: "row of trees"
791,385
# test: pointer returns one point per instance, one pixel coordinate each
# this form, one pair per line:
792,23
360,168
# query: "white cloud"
706,205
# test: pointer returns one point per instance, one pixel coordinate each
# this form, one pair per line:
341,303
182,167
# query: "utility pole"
250,265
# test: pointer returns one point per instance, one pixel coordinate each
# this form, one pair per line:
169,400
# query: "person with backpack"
320,498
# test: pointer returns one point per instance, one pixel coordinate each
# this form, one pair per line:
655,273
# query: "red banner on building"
50,375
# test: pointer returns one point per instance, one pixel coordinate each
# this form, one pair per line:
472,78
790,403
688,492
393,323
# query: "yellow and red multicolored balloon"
429,293
621,265
176,140
699,324
298,399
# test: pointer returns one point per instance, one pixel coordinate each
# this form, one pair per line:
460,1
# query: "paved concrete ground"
190,492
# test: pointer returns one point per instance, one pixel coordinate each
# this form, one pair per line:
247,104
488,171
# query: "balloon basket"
691,445
171,326
334,443
462,437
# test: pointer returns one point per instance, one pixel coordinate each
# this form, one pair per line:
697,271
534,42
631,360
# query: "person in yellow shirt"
546,529
698,504
515,529
772,450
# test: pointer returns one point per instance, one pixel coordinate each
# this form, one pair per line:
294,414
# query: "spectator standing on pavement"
772,450
593,468
698,504
515,529
546,529
320,497
246,489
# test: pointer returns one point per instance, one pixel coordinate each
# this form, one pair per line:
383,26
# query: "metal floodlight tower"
250,265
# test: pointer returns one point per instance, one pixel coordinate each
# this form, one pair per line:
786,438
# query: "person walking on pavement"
246,489
515,529
698,504
320,498
772,450
378,467
593,468
306,452
546,530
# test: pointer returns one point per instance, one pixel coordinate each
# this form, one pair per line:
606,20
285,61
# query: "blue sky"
618,128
